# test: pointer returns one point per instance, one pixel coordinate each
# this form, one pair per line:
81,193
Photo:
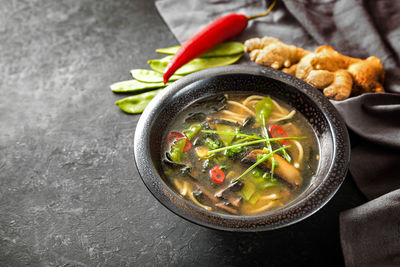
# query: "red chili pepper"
216,32
217,175
276,131
173,137
188,145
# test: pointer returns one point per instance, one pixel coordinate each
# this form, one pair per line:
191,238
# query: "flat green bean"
137,103
196,64
224,49
150,76
134,86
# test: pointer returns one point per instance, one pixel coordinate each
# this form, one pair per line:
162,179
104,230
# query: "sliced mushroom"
285,170
206,193
235,201
234,187
225,207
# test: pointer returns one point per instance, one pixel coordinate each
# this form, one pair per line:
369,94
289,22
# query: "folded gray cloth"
370,234
375,158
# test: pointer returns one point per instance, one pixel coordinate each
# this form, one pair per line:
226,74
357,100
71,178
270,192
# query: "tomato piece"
276,131
217,175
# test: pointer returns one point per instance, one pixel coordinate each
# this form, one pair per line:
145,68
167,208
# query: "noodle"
181,188
241,106
300,148
269,197
233,115
185,189
263,208
252,103
252,97
288,116
281,110
178,185
198,203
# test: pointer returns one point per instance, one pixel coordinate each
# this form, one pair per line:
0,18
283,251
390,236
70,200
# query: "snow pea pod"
196,64
150,76
137,103
224,49
133,86
263,109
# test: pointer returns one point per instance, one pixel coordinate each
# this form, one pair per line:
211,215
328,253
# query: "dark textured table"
70,194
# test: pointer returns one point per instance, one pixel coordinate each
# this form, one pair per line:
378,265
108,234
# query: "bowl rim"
172,201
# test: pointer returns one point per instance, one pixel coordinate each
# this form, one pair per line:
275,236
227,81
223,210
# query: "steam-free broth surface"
240,154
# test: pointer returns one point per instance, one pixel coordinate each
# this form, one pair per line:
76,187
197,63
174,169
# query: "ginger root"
337,75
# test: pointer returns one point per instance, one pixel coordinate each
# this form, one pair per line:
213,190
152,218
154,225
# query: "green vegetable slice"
131,86
192,131
254,198
150,76
177,150
224,49
226,138
137,103
248,190
261,182
196,64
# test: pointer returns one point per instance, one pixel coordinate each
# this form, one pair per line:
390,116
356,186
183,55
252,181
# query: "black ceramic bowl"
329,128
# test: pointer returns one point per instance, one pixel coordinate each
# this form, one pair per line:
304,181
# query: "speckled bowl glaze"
329,128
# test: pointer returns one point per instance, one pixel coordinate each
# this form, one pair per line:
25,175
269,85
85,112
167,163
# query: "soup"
239,154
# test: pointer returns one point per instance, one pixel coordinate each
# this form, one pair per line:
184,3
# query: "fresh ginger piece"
340,88
259,43
368,76
272,52
291,70
339,76
320,78
327,58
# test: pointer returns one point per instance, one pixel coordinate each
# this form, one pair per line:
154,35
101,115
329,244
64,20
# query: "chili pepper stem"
262,14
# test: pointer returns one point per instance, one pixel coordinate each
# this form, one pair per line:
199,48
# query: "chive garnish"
232,133
262,159
262,140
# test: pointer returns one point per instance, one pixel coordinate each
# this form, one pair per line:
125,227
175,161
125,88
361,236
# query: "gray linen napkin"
370,234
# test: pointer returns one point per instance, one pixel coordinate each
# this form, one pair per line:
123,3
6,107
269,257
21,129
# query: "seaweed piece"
184,170
198,194
207,164
225,122
195,117
248,123
211,140
172,164
213,104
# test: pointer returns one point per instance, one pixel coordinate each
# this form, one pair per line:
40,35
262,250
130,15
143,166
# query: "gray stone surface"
70,194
